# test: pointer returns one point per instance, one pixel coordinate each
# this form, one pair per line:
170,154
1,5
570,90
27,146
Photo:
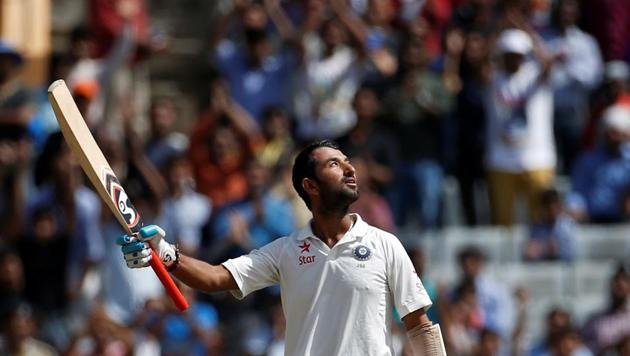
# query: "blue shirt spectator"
86,244
179,336
276,220
494,299
253,222
553,236
255,85
602,176
560,234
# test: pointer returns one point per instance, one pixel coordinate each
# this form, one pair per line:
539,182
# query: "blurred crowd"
504,96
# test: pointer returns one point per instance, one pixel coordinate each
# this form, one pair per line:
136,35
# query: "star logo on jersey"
305,246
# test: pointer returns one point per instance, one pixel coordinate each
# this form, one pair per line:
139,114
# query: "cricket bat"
95,166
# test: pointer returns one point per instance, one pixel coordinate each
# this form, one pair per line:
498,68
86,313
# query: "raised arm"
224,21
203,276
280,19
383,59
355,24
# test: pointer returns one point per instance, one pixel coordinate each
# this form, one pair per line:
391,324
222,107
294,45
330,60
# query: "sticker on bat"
118,195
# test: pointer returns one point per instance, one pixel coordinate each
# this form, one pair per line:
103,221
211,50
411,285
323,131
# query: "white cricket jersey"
336,301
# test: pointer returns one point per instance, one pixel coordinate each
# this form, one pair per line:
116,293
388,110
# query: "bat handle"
178,298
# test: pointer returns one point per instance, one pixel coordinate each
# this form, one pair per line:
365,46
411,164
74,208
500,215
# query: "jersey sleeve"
406,288
256,270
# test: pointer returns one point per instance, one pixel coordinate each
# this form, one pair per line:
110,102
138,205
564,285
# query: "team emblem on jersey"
362,253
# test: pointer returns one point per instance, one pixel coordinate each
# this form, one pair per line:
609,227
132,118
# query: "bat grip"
178,298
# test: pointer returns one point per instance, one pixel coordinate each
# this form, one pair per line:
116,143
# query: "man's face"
336,178
620,286
162,117
11,273
512,62
615,137
569,12
471,266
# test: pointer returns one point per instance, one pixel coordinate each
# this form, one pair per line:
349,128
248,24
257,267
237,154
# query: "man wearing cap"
615,90
601,177
521,156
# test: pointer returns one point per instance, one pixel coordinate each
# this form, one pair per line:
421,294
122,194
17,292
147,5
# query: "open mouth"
351,182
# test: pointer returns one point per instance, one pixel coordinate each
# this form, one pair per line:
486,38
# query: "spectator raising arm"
383,60
280,20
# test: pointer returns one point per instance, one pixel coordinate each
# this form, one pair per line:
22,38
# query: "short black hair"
550,196
304,167
470,251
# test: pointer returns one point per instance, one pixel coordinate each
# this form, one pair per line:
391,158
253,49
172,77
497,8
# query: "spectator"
19,330
489,344
438,15
559,336
283,189
164,143
109,19
102,336
372,206
415,110
381,38
185,211
258,76
602,175
76,210
331,74
520,157
41,250
221,142
101,51
192,333
615,90
470,122
371,140
604,330
15,166
279,144
476,16
553,237
254,221
494,300
326,84
15,101
462,319
568,343
12,281
576,73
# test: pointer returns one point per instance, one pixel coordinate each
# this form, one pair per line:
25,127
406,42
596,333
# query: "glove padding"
137,248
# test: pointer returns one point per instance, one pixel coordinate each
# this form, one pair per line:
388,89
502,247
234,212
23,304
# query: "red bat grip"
178,298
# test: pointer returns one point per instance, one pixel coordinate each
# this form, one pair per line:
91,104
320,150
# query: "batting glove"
137,250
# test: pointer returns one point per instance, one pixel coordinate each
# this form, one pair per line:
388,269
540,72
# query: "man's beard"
338,201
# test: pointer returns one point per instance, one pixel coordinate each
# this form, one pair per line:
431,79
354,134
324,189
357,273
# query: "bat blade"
95,166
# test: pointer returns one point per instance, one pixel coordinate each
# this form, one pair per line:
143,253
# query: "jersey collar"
358,229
